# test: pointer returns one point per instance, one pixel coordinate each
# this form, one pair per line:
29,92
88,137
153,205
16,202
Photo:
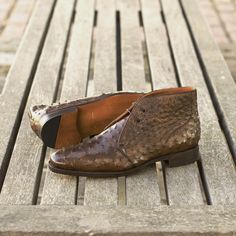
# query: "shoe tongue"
125,113
120,117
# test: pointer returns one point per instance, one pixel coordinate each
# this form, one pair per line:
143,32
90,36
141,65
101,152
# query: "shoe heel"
183,158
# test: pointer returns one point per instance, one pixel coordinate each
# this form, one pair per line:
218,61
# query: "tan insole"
92,118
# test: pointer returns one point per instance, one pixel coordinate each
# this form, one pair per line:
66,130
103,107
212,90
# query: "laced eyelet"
135,117
122,145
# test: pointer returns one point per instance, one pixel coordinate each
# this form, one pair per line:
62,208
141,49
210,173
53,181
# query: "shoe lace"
121,149
129,110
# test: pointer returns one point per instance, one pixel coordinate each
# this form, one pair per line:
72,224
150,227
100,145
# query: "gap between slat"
134,77
200,167
15,129
56,96
118,53
90,83
121,181
220,115
148,78
174,75
170,47
89,91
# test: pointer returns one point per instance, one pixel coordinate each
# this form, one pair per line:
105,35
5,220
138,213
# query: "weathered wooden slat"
20,74
133,76
20,10
181,190
183,186
164,220
20,180
141,188
103,191
217,161
161,66
219,76
105,48
100,192
61,189
58,189
48,152
5,11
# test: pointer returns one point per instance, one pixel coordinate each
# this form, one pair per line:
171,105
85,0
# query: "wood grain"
217,161
103,191
58,189
19,183
217,72
133,75
181,190
164,220
19,78
105,48
143,215
6,10
142,187
61,189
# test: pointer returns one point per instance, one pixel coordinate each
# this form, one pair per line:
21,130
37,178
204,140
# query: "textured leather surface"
96,154
38,113
157,124
161,125
35,114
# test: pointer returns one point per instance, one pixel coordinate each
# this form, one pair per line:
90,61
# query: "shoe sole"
172,160
69,125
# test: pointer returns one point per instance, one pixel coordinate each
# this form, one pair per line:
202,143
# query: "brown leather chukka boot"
63,125
161,126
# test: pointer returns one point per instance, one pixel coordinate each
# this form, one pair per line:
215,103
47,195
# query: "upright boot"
65,124
162,125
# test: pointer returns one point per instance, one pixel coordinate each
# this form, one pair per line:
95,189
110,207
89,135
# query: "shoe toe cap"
58,160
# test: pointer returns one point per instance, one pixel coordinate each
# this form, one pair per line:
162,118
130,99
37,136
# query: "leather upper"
38,114
157,124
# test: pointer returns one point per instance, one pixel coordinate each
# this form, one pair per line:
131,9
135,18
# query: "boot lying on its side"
162,125
65,124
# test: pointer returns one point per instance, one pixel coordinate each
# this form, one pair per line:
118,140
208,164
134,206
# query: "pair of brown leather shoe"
117,134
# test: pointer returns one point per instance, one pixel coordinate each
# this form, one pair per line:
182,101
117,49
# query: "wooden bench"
73,49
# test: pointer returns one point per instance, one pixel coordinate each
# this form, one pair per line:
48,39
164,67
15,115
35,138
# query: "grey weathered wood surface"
181,190
103,191
21,176
141,188
59,189
105,48
13,97
79,59
133,77
218,163
215,66
4,14
69,220
10,44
